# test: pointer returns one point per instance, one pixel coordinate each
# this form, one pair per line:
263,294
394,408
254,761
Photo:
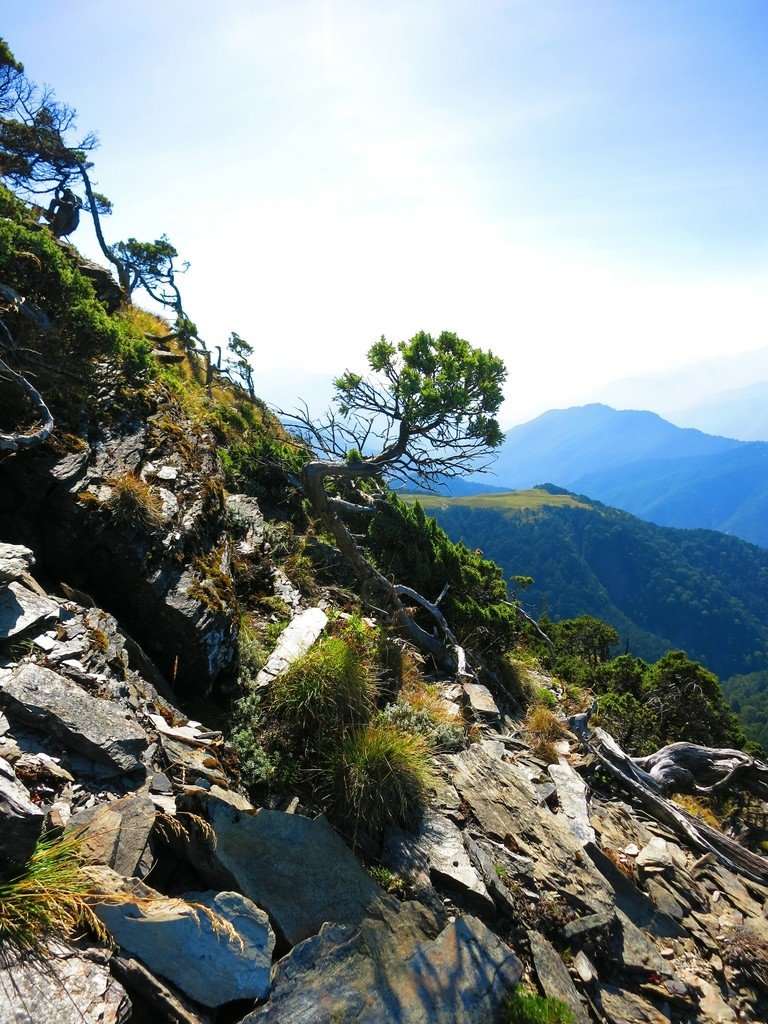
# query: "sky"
578,186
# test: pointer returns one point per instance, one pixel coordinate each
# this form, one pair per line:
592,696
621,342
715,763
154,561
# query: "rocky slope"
221,911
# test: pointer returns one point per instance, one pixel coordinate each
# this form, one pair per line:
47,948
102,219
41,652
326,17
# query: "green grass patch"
524,1006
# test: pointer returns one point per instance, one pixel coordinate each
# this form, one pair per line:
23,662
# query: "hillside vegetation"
661,588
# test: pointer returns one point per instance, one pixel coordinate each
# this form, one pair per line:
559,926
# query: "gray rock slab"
15,561
117,834
214,947
487,870
70,986
347,974
587,928
442,847
554,976
21,609
21,821
572,795
296,639
620,1006
632,901
100,729
297,869
480,702
634,951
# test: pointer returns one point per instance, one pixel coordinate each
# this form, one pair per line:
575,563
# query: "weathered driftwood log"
19,440
677,767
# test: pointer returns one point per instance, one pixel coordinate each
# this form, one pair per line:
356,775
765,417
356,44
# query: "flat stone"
361,975
584,967
20,609
635,952
213,946
15,562
588,927
117,834
296,639
554,976
440,843
480,702
70,986
187,763
633,901
572,795
297,869
622,1007
21,821
487,869
664,900
100,729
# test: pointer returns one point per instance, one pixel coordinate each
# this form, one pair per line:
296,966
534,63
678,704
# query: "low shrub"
378,775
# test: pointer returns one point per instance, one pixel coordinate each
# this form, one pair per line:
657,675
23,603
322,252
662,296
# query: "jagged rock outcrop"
136,519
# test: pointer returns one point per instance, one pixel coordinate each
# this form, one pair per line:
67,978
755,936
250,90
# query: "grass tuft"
378,775
134,503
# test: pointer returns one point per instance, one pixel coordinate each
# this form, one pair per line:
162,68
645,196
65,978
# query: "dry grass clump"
543,728
697,808
133,502
49,898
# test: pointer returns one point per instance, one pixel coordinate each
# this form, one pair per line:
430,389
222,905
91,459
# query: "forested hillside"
661,588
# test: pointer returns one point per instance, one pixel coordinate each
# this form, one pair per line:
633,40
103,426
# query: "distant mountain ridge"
639,462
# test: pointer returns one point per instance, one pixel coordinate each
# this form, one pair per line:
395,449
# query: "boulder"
215,947
21,821
21,609
117,834
100,729
68,986
295,868
15,562
623,1007
361,975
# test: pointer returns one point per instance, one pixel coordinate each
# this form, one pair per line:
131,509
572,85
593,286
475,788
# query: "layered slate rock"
438,846
70,986
506,807
100,729
297,869
15,562
214,947
21,821
361,975
554,976
21,609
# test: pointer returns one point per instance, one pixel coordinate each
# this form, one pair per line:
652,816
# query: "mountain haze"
639,462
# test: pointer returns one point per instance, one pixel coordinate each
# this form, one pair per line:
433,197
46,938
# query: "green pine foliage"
748,697
409,547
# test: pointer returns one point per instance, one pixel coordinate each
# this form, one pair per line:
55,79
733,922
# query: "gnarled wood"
672,768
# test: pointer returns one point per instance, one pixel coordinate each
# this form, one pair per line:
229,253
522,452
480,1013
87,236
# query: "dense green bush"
410,547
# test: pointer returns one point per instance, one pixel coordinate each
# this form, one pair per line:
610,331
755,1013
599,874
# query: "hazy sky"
579,185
